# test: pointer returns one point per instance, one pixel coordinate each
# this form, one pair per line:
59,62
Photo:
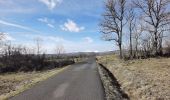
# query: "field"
144,79
14,83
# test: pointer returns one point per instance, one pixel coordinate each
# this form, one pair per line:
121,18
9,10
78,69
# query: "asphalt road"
80,81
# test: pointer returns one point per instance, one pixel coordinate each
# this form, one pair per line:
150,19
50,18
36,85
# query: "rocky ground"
146,79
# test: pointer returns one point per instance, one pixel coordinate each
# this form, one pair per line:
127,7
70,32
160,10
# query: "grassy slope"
147,79
14,83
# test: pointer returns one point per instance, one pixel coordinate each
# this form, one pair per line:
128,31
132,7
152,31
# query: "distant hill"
81,54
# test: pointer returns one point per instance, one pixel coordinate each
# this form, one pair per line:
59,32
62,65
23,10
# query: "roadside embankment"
141,79
111,85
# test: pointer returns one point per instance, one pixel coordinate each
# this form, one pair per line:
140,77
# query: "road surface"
80,81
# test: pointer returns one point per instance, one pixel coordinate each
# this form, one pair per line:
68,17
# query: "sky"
74,24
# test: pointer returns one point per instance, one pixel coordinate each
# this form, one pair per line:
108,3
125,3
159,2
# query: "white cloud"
50,25
51,4
47,21
54,38
71,26
88,40
49,38
8,7
44,20
18,26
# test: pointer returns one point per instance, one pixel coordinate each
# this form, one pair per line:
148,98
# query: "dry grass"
14,83
111,86
147,79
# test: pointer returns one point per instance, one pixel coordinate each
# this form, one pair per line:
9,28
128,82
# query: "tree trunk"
136,51
120,51
131,43
156,45
160,45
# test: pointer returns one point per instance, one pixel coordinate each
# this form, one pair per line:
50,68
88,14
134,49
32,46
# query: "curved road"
80,81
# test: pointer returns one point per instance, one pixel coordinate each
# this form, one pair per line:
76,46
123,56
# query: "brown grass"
147,79
14,83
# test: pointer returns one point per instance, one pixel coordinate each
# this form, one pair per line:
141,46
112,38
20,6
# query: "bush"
15,63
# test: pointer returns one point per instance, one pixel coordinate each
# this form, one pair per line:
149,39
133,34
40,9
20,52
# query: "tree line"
141,25
16,58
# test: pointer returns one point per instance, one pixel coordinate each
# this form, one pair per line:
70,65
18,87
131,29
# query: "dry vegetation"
146,79
111,86
14,83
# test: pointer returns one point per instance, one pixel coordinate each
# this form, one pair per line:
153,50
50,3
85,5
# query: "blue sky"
70,23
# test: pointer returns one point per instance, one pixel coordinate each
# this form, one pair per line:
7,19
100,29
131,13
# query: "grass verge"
15,83
111,85
142,79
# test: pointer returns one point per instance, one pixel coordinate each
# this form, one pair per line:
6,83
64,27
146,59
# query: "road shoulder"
111,85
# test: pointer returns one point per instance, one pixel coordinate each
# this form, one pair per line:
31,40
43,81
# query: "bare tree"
131,24
8,49
1,38
138,29
31,50
146,46
167,48
157,16
38,41
59,50
113,22
1,35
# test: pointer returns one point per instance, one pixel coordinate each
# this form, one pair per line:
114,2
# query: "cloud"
50,25
18,26
54,38
16,6
71,26
44,20
47,21
51,4
88,40
49,38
